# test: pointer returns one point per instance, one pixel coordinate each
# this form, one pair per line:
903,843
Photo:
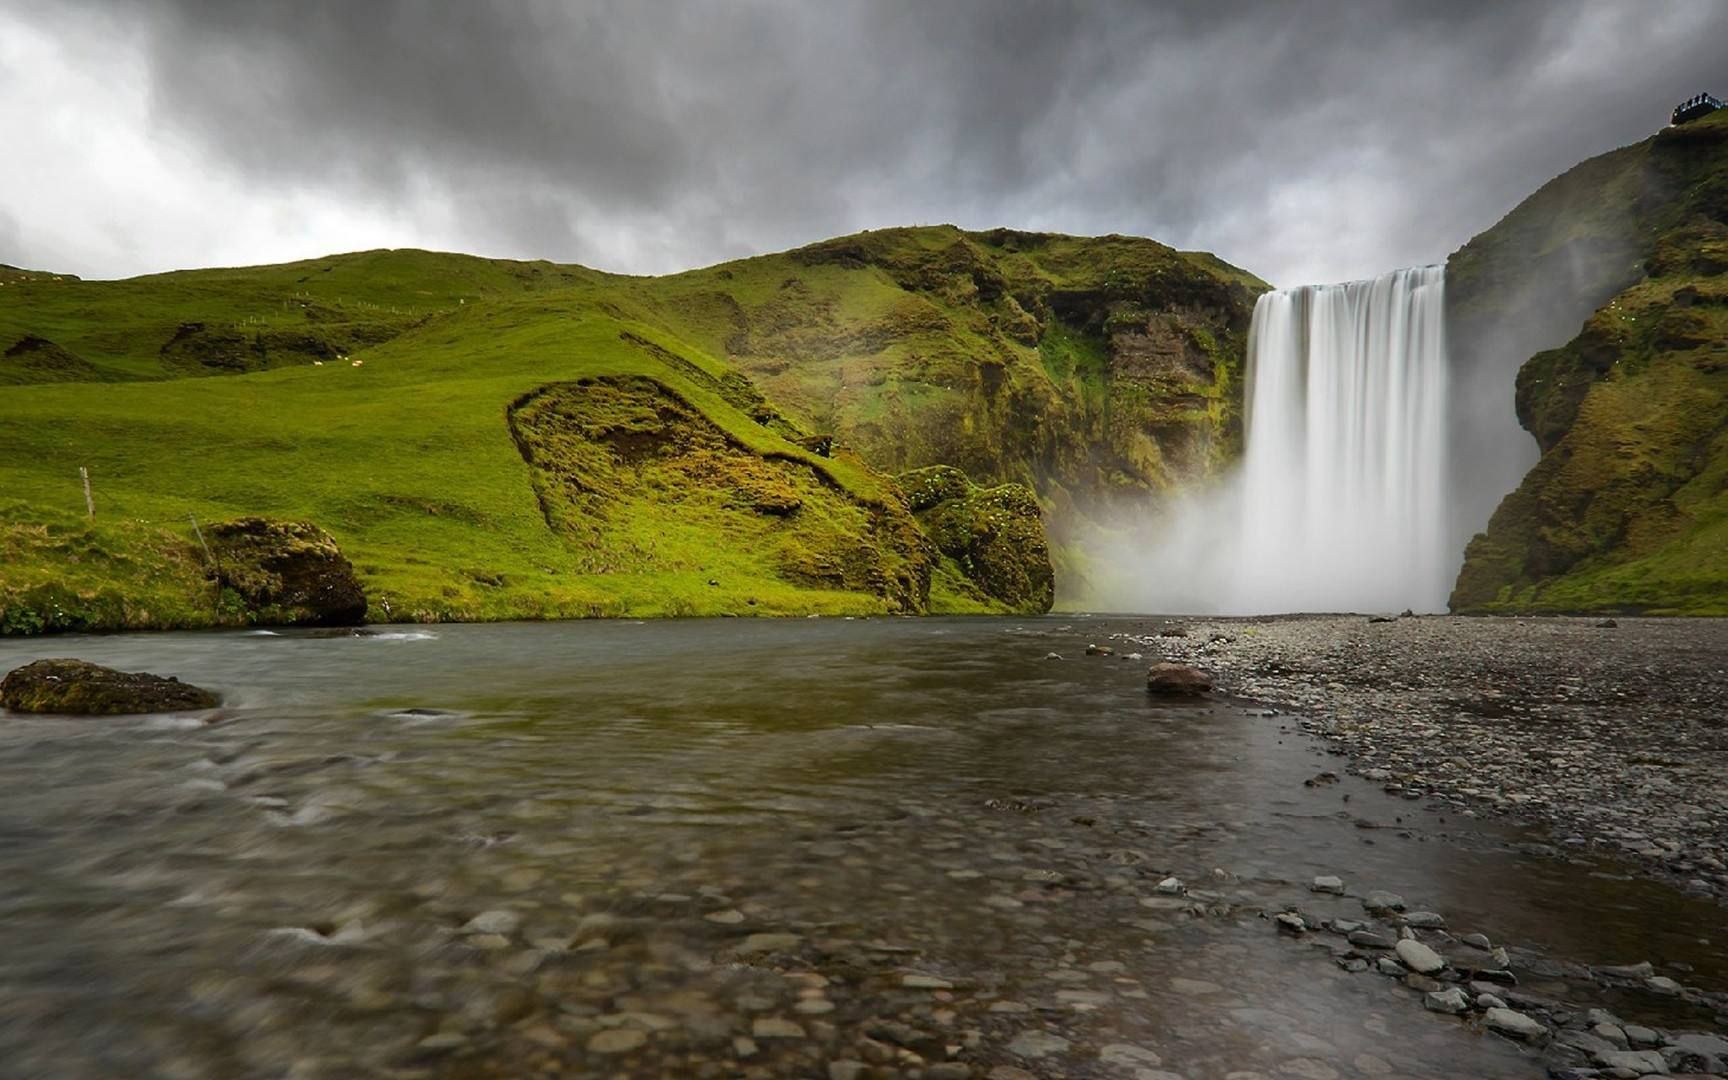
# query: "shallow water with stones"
725,848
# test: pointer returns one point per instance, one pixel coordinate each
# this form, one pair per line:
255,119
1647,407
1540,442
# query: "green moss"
995,556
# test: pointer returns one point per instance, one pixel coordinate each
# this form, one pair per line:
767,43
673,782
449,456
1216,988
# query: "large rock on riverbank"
80,688
288,573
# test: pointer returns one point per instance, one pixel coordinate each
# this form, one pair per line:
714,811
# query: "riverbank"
1612,737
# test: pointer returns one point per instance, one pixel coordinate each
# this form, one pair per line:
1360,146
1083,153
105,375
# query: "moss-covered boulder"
992,537
80,688
287,573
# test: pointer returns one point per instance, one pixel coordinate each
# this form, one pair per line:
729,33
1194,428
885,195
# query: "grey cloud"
1328,139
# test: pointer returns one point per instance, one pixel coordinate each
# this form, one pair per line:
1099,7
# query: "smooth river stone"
1419,957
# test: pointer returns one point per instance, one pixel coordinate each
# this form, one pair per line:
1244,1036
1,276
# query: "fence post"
89,501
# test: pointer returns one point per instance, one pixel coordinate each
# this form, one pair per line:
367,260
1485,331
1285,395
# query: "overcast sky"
1306,141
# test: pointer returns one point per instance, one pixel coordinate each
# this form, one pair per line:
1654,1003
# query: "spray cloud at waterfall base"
1340,500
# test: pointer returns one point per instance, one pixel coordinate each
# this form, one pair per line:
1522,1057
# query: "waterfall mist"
1341,500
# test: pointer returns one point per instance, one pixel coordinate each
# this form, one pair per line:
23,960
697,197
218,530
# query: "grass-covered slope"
472,431
1628,508
405,453
488,439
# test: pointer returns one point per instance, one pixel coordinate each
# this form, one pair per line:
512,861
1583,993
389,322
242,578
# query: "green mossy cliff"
1627,510
484,439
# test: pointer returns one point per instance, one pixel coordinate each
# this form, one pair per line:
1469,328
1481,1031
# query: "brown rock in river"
1177,680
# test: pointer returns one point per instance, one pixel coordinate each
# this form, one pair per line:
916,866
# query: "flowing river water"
731,848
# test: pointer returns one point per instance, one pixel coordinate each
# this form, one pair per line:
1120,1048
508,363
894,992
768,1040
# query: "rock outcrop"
80,688
609,454
993,536
286,573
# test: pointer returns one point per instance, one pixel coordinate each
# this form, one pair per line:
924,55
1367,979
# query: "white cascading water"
1344,479
1340,501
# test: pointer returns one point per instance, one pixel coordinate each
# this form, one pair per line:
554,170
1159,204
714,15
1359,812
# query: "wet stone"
1514,1024
773,1027
617,1041
1037,1044
1419,957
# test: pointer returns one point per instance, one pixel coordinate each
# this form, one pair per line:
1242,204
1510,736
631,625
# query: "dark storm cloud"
1296,139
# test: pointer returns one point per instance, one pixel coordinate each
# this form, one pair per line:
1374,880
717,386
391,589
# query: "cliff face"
1627,508
1085,368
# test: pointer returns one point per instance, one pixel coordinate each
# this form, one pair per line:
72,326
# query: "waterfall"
1343,485
1340,501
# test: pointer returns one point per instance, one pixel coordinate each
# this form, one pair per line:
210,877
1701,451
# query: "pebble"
617,1041
1636,1062
1451,1000
1037,1044
493,922
756,944
774,1027
1327,883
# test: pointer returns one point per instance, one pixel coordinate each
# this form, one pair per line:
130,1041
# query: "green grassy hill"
1628,508
490,439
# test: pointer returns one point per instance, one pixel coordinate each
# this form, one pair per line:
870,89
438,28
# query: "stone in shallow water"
493,922
774,1027
1129,1056
1451,1000
617,1041
1037,1044
1368,939
1327,883
1381,900
1638,1062
1419,957
1513,1023
768,943
1166,679
1425,920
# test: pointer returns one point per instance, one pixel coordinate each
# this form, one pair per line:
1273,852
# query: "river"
731,848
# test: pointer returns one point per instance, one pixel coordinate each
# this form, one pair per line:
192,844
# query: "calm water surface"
720,848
